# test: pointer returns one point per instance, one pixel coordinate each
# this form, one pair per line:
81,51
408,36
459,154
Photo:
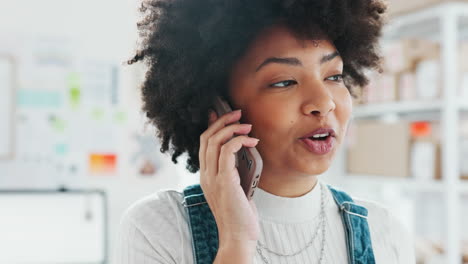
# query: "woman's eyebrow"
295,61
289,61
329,57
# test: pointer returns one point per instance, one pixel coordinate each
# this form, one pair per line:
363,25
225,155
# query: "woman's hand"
236,216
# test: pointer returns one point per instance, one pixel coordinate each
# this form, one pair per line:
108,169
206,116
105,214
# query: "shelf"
435,11
411,184
380,109
402,108
406,183
447,24
425,23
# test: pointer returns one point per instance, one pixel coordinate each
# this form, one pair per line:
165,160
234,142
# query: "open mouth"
320,143
320,137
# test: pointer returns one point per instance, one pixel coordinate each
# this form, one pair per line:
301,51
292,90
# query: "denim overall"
205,232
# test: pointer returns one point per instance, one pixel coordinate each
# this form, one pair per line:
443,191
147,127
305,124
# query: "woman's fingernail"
212,115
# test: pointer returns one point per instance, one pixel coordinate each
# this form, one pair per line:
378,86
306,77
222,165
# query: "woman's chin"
317,167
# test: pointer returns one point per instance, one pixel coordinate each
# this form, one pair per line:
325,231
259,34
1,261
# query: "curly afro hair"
190,47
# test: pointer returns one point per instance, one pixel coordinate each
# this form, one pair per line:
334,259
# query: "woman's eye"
336,78
283,83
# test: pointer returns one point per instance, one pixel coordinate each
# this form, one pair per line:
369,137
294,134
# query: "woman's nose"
318,102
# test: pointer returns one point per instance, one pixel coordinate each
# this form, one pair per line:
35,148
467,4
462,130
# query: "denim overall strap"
356,228
202,225
205,231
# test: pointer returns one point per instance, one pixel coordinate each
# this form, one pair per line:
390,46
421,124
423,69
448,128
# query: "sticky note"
100,163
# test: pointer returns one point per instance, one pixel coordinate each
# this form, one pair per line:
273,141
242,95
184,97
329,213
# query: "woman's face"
286,89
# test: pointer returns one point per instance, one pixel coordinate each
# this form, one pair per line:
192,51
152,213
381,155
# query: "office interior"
76,150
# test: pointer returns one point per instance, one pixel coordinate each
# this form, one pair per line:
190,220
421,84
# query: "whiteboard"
53,227
6,106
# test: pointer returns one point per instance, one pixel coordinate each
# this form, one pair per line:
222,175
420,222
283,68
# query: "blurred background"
75,149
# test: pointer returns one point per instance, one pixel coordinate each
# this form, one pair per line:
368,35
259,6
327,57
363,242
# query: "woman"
289,66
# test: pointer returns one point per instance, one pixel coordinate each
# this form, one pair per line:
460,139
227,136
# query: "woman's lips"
319,147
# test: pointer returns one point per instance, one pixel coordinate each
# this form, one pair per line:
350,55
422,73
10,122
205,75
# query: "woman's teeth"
318,136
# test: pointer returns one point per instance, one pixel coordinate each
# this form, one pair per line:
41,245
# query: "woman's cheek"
346,104
344,110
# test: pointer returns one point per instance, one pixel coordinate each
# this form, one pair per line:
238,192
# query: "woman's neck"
287,184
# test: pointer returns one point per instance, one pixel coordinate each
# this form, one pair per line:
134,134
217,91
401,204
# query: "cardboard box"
396,150
370,92
462,57
397,57
406,86
381,88
388,85
379,149
428,81
403,55
400,7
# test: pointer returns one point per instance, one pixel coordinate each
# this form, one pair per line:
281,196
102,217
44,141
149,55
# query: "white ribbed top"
155,230
288,224
288,210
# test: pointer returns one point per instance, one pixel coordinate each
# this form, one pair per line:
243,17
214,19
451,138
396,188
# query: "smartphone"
249,163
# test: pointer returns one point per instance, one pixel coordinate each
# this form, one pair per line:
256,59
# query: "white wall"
103,30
